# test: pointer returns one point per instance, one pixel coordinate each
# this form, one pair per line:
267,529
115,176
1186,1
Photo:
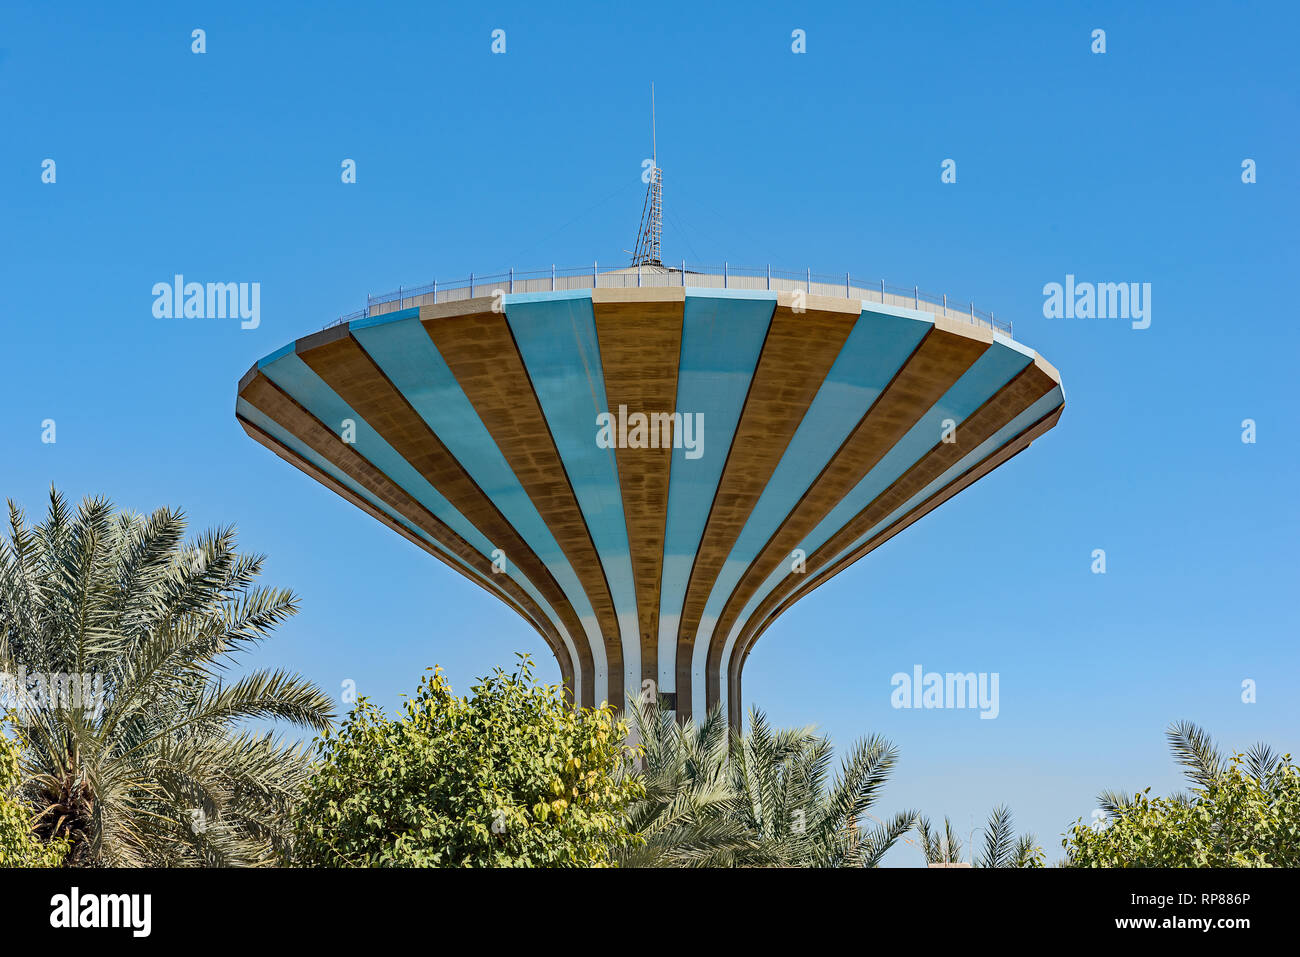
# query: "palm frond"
999,842
1195,751
122,599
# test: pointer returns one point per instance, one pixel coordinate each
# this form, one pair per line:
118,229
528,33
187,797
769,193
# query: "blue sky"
1122,166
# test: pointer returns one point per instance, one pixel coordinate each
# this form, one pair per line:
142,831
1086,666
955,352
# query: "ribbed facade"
650,476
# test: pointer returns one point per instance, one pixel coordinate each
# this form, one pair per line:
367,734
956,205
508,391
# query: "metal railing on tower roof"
725,276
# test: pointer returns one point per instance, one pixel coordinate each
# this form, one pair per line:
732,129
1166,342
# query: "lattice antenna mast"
651,229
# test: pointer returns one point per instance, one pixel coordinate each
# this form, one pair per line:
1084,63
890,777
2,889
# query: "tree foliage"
1001,848
688,813
114,634
511,775
19,846
764,798
1242,812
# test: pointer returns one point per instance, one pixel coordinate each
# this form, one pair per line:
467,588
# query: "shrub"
19,847
510,776
1245,813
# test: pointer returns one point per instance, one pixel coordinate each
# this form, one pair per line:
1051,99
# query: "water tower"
650,463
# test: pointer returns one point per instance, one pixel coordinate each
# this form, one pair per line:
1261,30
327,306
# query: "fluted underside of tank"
650,477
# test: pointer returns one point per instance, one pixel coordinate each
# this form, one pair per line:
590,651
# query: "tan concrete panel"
821,304
482,355
640,345
959,327
638,295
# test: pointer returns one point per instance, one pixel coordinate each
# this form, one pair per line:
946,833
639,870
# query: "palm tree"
1202,764
939,847
1001,847
688,815
134,751
762,799
786,798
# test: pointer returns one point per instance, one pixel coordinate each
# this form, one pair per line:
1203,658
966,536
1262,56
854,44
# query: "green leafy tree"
19,846
1242,812
132,747
511,775
765,798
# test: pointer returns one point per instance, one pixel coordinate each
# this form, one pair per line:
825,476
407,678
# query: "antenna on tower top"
652,211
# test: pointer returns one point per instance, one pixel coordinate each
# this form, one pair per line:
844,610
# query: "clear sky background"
1123,166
